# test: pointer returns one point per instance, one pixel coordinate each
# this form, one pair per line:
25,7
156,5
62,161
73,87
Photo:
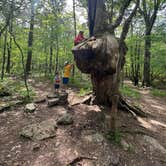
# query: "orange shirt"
67,70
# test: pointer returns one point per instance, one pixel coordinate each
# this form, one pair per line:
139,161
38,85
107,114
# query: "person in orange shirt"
66,73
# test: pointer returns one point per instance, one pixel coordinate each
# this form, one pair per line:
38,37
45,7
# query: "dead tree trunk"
103,57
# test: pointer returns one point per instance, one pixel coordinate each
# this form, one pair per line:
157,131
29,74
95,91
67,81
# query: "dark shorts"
65,80
56,86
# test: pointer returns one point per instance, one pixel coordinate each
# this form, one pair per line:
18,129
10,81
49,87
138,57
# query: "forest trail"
143,141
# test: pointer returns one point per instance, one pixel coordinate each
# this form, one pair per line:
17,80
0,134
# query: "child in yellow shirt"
66,74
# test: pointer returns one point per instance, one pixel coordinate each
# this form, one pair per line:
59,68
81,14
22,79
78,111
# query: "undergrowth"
158,92
129,92
114,137
16,87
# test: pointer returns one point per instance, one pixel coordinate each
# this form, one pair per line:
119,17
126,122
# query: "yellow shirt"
67,70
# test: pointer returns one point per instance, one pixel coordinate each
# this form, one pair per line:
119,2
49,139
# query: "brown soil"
75,143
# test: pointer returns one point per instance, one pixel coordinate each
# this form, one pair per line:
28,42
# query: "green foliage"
114,137
158,93
17,88
84,91
129,92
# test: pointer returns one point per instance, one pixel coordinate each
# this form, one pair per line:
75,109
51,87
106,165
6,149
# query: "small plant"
129,92
114,137
84,91
158,93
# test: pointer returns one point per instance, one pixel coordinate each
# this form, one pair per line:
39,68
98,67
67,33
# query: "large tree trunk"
103,57
102,64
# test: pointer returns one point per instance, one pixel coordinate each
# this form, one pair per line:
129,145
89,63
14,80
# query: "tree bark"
104,57
9,48
57,55
4,55
30,41
51,55
146,78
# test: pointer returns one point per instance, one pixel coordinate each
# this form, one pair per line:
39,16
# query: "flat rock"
30,107
53,102
63,96
53,95
40,131
40,100
4,91
154,144
6,105
114,160
65,119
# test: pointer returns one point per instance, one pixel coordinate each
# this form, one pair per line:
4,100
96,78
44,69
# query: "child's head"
81,32
57,73
66,63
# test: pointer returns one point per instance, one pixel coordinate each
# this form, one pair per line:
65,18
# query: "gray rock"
4,106
124,144
57,99
154,144
114,160
40,131
63,96
65,119
53,102
94,138
30,107
40,100
53,95
35,146
4,91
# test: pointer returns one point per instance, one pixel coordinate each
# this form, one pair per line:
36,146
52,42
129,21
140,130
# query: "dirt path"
143,140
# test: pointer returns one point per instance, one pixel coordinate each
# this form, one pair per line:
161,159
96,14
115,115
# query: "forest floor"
139,142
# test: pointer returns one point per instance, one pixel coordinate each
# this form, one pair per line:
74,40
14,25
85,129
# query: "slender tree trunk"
135,64
138,62
30,41
74,17
51,55
57,55
9,48
4,55
75,31
146,77
23,65
46,60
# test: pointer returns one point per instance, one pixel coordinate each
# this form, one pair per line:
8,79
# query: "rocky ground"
76,135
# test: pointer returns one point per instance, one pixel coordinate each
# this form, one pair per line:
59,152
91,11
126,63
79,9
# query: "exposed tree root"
124,104
78,159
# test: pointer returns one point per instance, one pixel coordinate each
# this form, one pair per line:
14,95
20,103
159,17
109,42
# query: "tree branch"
128,22
118,21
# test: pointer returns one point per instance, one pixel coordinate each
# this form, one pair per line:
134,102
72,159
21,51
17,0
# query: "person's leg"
65,82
